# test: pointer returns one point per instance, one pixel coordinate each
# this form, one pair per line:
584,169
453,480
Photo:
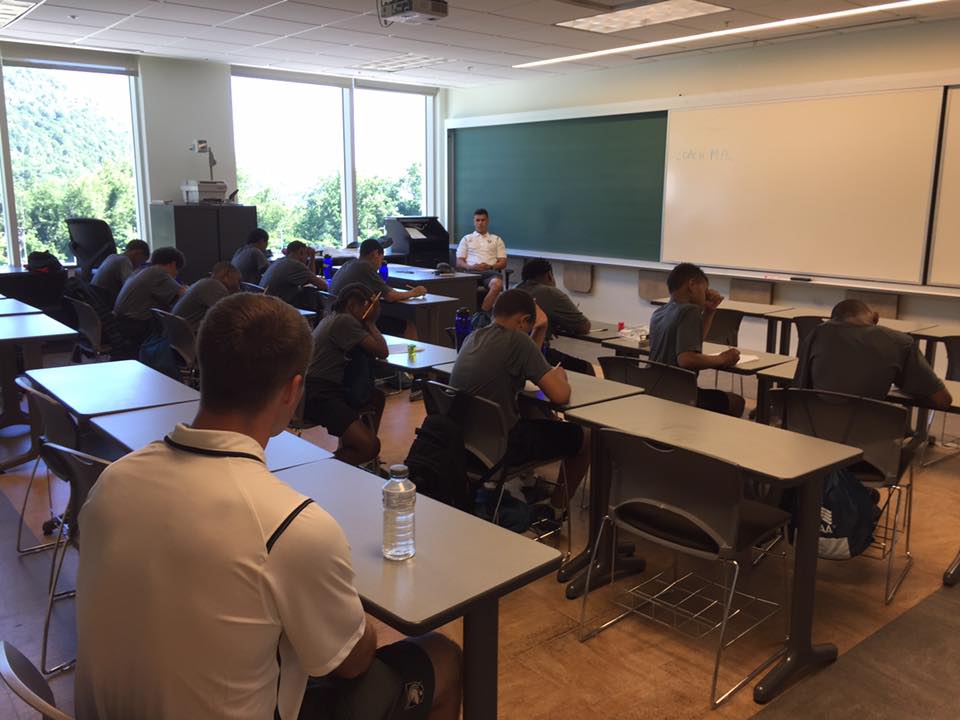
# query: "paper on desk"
530,386
744,359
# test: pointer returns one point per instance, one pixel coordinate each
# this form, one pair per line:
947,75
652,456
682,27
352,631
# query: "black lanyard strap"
208,452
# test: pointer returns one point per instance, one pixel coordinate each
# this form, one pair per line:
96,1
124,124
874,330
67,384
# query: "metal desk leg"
952,575
480,637
786,325
801,656
12,414
763,399
772,324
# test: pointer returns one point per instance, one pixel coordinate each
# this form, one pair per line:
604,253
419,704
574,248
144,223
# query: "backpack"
157,354
847,516
437,462
43,261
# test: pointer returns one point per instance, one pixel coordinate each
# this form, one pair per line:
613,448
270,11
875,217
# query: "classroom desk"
785,458
426,314
750,309
911,327
786,318
443,372
110,387
137,428
599,331
28,332
15,307
463,566
777,375
460,285
632,348
428,357
584,390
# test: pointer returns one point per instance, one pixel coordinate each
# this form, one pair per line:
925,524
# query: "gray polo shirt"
285,277
333,338
150,288
675,328
112,274
494,363
201,296
562,315
251,263
863,360
355,271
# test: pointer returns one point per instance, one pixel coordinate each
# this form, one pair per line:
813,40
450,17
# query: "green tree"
410,191
319,218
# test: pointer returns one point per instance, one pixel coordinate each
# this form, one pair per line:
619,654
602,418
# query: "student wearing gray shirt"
677,330
562,315
496,361
251,260
204,294
152,287
114,271
286,277
852,354
343,343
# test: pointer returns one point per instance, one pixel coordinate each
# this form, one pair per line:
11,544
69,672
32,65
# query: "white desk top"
587,390
938,332
428,299
763,359
428,357
786,371
795,312
32,328
138,428
599,331
772,452
751,309
905,326
15,307
101,388
420,274
460,558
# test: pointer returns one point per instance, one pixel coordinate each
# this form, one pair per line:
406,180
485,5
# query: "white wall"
874,53
182,101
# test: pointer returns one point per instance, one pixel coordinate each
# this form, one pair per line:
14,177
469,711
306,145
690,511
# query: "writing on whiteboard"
708,154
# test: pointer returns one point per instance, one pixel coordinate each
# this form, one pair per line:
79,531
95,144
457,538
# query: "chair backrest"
251,287
874,426
78,469
91,240
50,418
805,325
725,328
482,422
953,357
88,323
27,683
657,379
327,301
179,334
675,497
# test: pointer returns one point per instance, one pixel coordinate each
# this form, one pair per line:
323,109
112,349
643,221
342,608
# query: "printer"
204,191
422,239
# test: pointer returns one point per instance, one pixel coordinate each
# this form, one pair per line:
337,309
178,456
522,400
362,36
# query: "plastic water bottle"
384,273
327,267
399,499
461,325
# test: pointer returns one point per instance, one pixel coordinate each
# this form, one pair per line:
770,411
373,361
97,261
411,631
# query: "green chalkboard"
587,186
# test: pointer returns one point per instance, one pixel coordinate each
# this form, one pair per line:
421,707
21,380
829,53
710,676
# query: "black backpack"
847,516
437,462
42,261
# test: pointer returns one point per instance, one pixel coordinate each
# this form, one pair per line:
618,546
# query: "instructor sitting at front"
485,253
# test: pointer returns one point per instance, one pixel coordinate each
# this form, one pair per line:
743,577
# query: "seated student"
496,361
204,294
852,354
485,253
562,314
251,259
677,330
365,270
152,287
113,272
334,400
286,277
249,586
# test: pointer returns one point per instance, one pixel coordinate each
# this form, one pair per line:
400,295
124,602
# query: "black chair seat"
758,521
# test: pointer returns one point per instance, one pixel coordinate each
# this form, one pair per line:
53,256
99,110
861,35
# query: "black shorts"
326,404
399,684
713,400
487,275
533,440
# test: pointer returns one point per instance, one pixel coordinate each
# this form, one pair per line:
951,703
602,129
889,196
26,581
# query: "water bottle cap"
399,471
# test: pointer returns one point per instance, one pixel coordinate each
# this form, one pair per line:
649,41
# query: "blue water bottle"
461,326
327,267
384,273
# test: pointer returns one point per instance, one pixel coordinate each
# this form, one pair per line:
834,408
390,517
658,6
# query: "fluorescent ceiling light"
661,12
408,61
854,12
10,10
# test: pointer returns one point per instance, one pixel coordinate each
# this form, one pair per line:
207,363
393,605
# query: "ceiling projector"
413,10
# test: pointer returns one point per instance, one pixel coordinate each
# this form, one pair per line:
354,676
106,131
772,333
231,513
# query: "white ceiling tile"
352,6
240,37
55,30
73,16
723,21
268,53
232,6
259,23
187,13
483,5
206,44
136,39
356,53
296,44
546,11
310,14
123,7
160,27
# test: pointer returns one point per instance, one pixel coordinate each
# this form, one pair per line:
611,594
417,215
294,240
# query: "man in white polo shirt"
485,253
209,588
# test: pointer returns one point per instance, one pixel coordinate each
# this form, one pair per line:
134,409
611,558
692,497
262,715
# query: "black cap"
370,245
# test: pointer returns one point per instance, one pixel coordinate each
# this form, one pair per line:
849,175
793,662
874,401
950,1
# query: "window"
390,140
289,144
71,149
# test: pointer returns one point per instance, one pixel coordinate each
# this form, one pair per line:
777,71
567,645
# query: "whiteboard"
945,255
837,186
